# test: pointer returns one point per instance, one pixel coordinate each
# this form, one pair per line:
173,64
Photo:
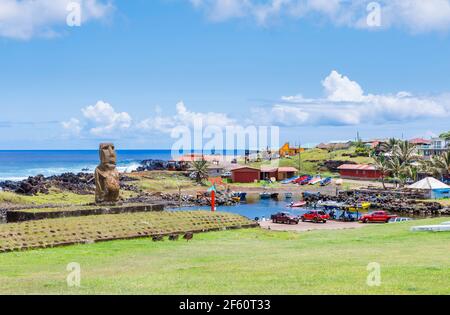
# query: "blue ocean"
17,165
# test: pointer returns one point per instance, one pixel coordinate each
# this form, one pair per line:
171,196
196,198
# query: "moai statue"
107,179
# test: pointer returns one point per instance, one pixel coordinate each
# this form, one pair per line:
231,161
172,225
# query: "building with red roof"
359,171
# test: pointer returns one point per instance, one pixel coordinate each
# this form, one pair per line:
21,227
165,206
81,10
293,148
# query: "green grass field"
249,261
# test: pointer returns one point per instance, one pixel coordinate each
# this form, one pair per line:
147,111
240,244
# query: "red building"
359,171
245,174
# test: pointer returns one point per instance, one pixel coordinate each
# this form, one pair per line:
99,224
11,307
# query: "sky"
132,71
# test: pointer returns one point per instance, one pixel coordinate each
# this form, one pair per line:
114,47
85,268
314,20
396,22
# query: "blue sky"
135,69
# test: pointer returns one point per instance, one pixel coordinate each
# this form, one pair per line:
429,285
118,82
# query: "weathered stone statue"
107,179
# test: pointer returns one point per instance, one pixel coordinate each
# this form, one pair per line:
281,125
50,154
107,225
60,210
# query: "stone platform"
63,212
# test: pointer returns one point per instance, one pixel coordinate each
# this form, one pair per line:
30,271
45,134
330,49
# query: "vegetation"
439,165
54,197
156,181
249,261
73,230
200,170
445,135
398,161
310,161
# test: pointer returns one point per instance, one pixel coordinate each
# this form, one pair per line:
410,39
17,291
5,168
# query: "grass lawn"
249,261
55,196
156,181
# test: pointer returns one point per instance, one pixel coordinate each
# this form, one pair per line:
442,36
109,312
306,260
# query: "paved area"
309,226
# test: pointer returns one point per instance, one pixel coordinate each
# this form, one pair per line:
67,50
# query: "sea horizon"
16,165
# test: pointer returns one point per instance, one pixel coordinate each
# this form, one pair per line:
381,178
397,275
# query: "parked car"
398,219
284,218
377,216
315,216
226,174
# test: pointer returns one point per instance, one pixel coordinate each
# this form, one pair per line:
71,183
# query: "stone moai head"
108,157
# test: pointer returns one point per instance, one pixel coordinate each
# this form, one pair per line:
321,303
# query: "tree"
440,165
445,135
200,170
404,151
397,170
381,163
389,145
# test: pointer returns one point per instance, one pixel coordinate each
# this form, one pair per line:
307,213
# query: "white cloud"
415,15
346,104
24,19
184,117
105,119
72,126
341,88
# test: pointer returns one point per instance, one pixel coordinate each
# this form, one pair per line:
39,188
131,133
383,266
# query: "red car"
284,218
315,216
377,216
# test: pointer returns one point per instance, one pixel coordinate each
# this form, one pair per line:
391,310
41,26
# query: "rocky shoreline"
81,183
402,202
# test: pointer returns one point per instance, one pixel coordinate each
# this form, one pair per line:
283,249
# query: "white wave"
128,168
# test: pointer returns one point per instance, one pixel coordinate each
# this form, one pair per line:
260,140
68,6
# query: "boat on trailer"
289,180
315,180
298,204
288,195
325,181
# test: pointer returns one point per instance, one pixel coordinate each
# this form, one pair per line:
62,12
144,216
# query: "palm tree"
397,169
441,164
389,145
200,170
404,151
381,163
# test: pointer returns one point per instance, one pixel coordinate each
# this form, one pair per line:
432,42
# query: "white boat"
443,227
315,180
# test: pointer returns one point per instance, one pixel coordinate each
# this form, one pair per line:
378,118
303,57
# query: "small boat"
300,179
325,181
290,180
274,195
288,195
236,199
298,204
265,195
315,180
305,181
240,194
361,206
330,205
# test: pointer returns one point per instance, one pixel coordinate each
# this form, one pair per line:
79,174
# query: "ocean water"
17,165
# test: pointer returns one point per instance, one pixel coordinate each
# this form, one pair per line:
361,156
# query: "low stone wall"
41,214
100,228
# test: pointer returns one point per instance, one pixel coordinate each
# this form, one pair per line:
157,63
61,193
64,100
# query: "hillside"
311,160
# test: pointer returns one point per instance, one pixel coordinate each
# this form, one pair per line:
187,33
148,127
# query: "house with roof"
435,146
287,150
360,171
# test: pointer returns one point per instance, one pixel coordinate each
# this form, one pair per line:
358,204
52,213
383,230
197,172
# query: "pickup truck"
284,218
377,216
